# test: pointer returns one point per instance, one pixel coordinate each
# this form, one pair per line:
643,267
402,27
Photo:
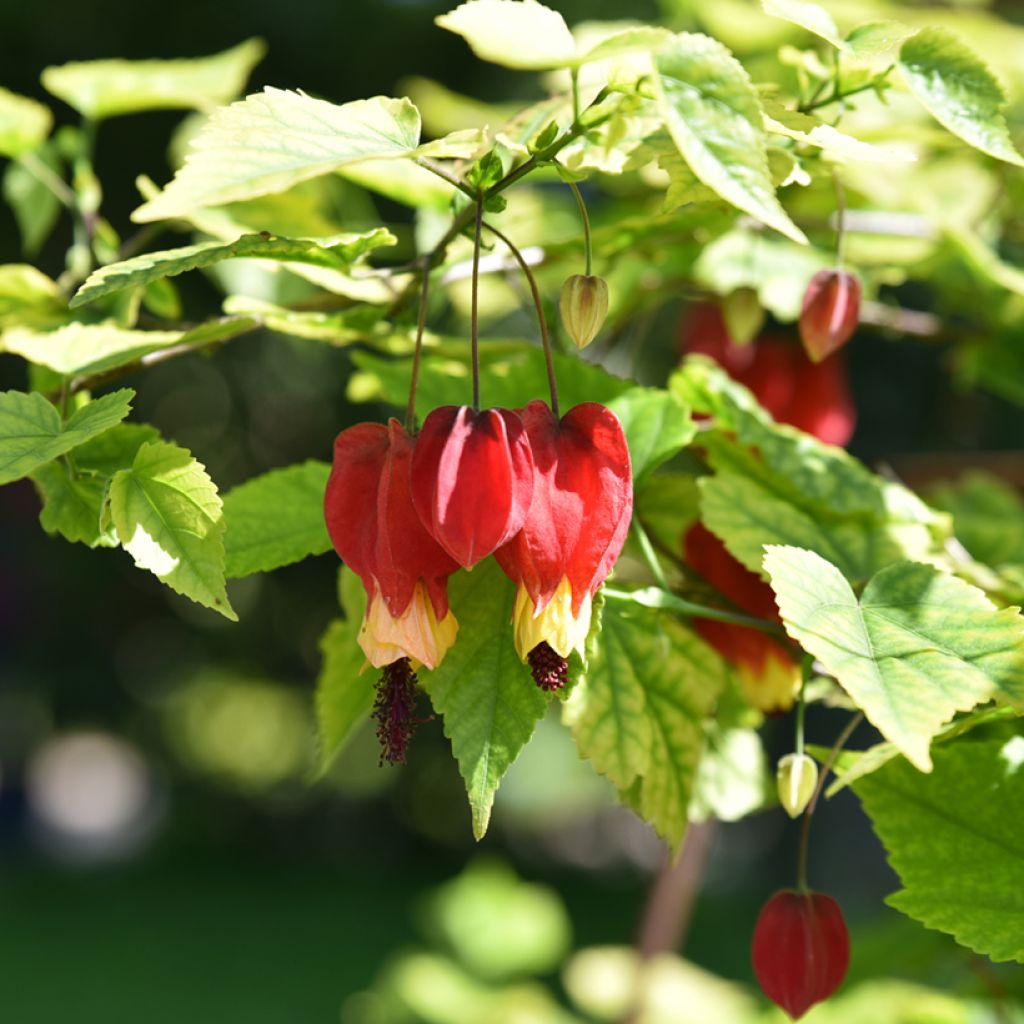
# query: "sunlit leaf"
810,16
713,114
657,426
169,518
106,88
960,92
24,123
276,519
914,649
29,297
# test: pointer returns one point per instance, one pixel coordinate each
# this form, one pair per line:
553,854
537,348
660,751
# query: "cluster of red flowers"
550,498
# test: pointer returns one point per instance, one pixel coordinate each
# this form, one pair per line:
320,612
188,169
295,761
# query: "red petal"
830,312
371,520
472,479
801,949
582,502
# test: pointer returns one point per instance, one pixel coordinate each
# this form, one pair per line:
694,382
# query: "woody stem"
421,322
541,318
473,315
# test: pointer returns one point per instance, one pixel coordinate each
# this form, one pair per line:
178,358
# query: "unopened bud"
584,305
801,949
796,775
830,311
743,315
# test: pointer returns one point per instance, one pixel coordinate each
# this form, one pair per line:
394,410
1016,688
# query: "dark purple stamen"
550,670
395,710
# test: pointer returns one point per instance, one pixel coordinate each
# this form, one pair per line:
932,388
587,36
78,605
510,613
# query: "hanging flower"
801,949
472,479
376,531
830,312
814,397
577,524
769,675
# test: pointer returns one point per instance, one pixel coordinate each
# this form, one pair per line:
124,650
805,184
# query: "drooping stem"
840,217
421,322
474,300
588,249
545,337
801,703
805,829
575,74
650,556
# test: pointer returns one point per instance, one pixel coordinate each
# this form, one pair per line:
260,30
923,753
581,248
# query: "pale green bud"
797,775
584,305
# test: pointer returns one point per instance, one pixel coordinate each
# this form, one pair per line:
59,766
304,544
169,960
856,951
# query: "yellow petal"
554,624
415,634
775,687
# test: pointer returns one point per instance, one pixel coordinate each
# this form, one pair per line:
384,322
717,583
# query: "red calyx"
472,479
801,949
814,397
582,503
830,312
372,522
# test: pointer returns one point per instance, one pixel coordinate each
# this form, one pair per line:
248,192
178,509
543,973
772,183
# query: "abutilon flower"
801,949
830,312
472,479
813,397
376,531
577,524
768,673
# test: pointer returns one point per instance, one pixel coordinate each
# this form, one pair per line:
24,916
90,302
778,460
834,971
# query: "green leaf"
519,34
877,42
114,449
917,647
24,124
489,701
72,505
807,15
77,349
333,254
169,518
344,696
276,519
959,91
657,426
712,113
35,207
954,839
666,504
275,139
638,714
31,432
107,88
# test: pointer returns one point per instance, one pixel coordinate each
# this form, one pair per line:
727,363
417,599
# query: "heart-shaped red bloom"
830,312
801,949
814,397
578,520
766,668
472,479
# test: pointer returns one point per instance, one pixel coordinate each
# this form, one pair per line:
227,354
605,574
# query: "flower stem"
805,830
837,179
650,556
474,313
545,337
655,597
801,703
421,322
588,249
575,94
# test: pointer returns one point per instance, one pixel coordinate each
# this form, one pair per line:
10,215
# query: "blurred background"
164,856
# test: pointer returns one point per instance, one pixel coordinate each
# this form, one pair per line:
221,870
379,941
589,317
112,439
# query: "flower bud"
801,949
743,315
830,311
584,305
796,776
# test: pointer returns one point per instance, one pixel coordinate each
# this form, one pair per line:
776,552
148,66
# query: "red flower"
766,669
801,949
577,524
376,531
472,479
814,397
830,312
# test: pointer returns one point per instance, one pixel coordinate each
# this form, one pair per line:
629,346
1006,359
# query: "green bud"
743,315
584,305
797,775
